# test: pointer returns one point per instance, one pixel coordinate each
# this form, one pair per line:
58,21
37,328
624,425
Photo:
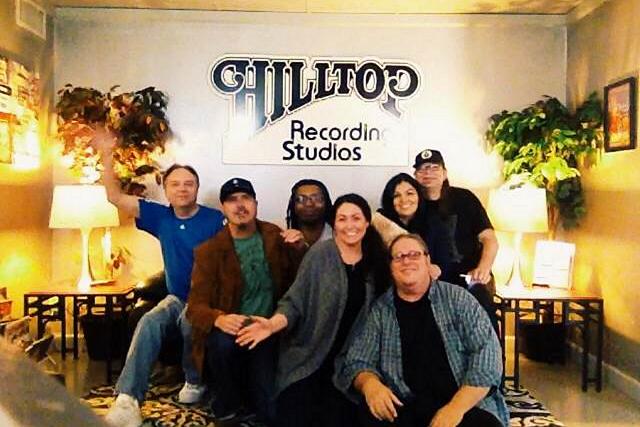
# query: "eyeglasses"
411,256
316,199
429,167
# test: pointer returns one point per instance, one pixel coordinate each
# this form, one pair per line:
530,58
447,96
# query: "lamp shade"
522,209
82,206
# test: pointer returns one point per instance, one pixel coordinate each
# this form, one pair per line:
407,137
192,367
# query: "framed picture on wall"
620,115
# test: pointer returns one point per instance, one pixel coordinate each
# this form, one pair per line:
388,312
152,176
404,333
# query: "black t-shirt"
425,365
454,223
356,295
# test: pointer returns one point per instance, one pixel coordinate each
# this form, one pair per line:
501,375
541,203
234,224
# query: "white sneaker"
191,393
125,412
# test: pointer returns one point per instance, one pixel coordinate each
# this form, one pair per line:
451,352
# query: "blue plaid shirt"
471,345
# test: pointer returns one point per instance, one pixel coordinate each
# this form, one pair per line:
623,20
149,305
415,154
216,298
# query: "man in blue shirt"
428,355
179,227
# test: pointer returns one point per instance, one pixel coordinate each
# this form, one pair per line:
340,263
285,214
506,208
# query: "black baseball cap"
428,156
236,185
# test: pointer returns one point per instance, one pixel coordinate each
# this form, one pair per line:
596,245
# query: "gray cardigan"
313,306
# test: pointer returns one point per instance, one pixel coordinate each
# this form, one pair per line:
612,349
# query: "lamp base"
86,285
86,276
515,279
103,282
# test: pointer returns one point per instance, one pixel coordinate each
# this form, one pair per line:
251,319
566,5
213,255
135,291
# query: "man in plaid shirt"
428,355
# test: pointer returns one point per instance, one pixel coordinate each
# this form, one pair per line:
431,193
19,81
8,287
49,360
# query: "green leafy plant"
138,118
546,144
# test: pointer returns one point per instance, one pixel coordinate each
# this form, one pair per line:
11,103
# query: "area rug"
162,409
526,411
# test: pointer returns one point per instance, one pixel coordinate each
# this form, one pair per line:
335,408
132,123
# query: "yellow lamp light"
518,210
82,207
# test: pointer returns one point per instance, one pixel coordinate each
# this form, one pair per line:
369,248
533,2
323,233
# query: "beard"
310,218
311,221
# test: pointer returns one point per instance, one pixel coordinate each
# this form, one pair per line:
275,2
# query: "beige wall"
461,89
25,239
604,47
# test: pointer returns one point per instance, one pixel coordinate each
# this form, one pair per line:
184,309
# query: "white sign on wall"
315,111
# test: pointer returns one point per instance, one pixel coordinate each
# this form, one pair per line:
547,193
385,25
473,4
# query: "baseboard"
611,375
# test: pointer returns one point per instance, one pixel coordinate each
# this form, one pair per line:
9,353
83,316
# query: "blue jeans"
168,317
242,376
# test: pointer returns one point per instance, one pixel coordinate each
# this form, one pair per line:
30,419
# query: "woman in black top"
320,315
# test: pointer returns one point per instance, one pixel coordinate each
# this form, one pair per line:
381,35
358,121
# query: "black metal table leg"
516,352
599,344
62,315
109,319
75,327
585,346
565,327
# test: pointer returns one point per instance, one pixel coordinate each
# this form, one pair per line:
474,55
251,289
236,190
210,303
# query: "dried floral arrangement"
138,118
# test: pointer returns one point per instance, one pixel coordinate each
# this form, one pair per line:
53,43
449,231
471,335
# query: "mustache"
241,211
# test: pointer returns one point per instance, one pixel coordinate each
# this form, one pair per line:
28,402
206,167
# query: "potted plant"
138,118
546,144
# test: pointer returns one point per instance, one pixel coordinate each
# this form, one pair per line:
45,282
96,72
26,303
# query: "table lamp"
518,210
83,207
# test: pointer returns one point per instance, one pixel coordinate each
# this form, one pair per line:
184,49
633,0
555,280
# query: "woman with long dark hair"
404,205
403,211
322,312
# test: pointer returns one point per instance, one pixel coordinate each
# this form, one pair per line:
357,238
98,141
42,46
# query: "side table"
48,304
577,309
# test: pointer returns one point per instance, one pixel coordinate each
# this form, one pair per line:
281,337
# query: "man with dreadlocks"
308,210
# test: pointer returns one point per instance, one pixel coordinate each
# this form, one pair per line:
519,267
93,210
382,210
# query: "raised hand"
103,140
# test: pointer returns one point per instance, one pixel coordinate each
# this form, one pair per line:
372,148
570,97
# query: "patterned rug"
162,409
526,411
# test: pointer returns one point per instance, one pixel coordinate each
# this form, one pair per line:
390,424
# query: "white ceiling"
560,7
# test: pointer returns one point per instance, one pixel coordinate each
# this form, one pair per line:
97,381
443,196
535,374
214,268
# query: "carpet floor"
162,409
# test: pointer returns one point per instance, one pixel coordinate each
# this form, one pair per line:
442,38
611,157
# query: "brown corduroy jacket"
217,282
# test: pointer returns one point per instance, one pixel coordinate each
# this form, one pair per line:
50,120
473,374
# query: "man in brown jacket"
239,273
